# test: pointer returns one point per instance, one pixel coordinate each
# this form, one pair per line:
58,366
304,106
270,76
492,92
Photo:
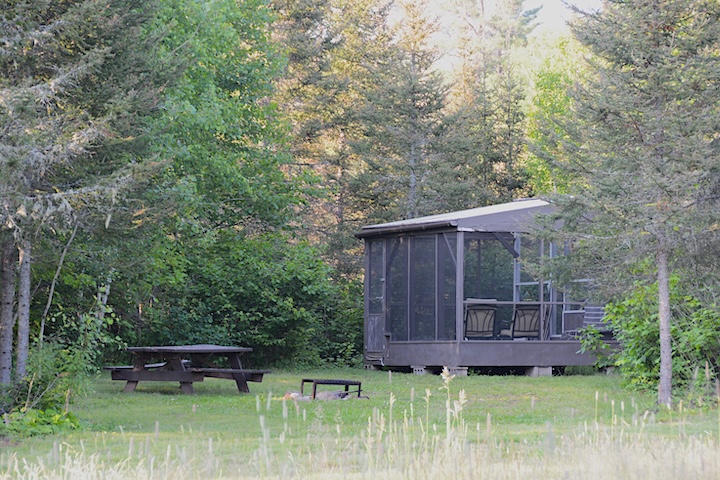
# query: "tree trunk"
7,295
52,285
663,277
23,328
102,298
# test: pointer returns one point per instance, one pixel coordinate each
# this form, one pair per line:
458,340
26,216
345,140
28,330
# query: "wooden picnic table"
185,364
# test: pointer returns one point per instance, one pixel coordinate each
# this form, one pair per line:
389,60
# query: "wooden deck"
479,353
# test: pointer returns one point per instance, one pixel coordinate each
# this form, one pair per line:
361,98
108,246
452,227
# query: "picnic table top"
190,349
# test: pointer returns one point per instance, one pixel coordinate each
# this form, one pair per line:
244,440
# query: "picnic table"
185,364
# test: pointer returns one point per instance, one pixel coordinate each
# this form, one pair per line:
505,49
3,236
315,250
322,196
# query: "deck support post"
539,372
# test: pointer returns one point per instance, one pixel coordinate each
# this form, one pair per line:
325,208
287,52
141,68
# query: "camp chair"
526,322
480,322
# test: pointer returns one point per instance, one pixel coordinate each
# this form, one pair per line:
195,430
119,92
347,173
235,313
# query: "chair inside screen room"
526,322
480,322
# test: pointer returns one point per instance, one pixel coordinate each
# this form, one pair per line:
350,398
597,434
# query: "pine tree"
331,46
77,81
401,119
644,151
485,144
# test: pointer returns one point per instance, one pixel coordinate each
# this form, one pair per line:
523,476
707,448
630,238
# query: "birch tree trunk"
23,327
7,295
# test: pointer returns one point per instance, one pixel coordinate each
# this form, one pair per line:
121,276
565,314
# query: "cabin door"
375,300
375,334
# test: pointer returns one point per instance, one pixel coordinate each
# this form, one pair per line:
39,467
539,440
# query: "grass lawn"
410,426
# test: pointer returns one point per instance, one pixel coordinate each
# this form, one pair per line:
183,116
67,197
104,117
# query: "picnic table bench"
185,364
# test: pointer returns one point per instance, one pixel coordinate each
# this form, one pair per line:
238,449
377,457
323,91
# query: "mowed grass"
410,426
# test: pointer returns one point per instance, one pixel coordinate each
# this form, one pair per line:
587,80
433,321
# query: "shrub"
593,341
695,331
33,422
58,368
269,292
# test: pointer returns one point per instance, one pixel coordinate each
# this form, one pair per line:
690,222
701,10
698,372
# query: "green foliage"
31,422
58,369
267,293
552,107
39,403
592,341
695,332
219,128
215,178
85,339
214,271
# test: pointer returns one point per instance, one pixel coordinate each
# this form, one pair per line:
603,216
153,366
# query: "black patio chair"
526,322
480,322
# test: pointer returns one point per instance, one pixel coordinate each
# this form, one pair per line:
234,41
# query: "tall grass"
394,442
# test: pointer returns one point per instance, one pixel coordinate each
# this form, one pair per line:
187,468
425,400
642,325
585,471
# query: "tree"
220,259
552,107
23,308
7,296
400,121
485,145
332,47
77,81
220,133
644,149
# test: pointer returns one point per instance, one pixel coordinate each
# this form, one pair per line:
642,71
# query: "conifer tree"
644,149
332,45
485,143
77,81
400,122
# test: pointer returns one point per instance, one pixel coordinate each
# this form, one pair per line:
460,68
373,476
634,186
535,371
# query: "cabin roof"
501,218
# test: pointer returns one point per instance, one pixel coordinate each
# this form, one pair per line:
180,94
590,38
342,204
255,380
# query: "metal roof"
504,217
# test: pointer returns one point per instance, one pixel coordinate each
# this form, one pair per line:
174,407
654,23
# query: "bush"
270,293
39,402
695,330
33,422
593,341
58,369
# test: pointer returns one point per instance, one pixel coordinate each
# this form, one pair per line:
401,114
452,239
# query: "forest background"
194,172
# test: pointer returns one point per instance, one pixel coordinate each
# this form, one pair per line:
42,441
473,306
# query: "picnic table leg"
138,365
175,362
234,360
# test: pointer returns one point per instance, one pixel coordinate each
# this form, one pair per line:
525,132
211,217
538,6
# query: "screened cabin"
450,290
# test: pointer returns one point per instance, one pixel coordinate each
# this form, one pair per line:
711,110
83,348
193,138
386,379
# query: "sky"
554,14
551,18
